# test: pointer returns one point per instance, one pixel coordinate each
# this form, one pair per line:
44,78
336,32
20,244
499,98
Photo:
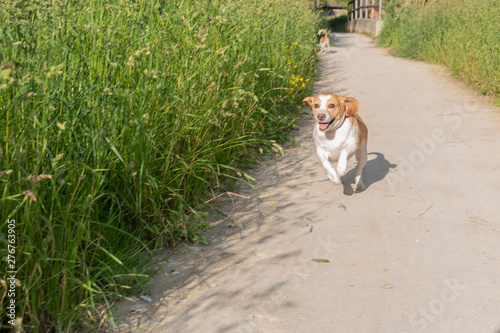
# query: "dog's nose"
320,117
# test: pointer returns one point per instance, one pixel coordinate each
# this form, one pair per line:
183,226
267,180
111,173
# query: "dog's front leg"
330,171
342,164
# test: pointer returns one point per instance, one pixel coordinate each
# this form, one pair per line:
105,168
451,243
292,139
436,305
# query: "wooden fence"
364,16
364,9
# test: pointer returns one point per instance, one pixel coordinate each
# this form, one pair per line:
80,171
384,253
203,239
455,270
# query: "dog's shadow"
374,171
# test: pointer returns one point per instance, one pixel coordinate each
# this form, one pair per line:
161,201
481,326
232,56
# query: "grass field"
120,119
460,34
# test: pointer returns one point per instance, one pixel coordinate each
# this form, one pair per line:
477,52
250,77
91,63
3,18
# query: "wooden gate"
364,16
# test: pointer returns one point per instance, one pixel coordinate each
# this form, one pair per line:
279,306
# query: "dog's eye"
331,106
316,106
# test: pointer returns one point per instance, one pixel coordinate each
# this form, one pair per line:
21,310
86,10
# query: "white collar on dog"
341,123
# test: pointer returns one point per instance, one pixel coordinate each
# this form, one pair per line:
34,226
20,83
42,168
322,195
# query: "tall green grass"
460,34
120,118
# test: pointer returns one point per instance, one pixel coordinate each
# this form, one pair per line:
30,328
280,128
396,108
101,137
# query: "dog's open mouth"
325,126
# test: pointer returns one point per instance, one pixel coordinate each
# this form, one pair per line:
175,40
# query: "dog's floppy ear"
308,100
351,105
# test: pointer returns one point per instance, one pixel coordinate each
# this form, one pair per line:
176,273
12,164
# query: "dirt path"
418,251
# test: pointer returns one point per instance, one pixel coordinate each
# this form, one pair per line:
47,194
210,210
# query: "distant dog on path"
324,40
339,133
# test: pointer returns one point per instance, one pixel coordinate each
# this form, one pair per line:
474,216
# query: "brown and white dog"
373,14
324,40
339,133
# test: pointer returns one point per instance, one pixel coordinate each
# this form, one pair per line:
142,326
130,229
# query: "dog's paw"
341,172
336,180
360,187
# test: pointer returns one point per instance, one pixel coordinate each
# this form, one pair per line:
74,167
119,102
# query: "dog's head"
329,109
322,32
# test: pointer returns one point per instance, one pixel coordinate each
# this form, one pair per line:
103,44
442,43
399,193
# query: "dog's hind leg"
361,157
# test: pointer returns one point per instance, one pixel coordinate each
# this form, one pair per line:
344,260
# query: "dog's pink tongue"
323,126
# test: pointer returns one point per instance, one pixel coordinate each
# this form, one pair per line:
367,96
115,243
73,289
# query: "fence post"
380,9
